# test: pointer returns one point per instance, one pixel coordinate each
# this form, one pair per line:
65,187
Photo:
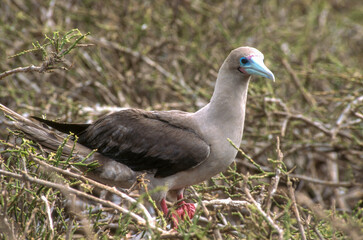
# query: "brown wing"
144,141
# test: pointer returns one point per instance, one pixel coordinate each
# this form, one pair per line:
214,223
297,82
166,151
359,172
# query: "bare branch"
343,116
260,210
147,60
307,96
46,66
226,202
99,185
49,214
313,123
67,189
326,183
295,209
31,68
275,180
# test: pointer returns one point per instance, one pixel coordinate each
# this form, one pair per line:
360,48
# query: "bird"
172,149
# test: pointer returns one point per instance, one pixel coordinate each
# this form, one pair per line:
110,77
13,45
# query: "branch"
31,68
347,226
276,179
67,189
343,116
313,123
49,215
295,209
306,178
307,96
46,66
326,183
112,190
260,210
145,59
226,202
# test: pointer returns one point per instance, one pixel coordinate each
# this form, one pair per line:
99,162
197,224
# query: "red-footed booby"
175,149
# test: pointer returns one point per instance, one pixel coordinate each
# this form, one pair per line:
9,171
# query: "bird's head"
249,61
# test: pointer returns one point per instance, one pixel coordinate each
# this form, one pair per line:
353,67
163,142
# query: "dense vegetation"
165,55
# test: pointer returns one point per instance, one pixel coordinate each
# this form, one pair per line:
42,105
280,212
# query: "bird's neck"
229,97
226,110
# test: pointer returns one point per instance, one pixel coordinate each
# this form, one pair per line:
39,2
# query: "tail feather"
45,137
110,171
75,128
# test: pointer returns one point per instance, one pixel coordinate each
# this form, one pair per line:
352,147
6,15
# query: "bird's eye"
243,60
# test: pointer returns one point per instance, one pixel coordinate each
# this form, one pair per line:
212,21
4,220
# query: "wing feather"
146,141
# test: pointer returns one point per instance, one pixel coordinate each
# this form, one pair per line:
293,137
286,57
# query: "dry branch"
316,124
67,190
226,203
112,190
147,60
295,209
307,96
43,68
270,221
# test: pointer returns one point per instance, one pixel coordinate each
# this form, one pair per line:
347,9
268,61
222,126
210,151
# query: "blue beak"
257,67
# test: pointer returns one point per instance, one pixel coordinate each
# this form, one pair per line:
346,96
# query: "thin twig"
204,208
260,210
145,59
347,226
246,156
31,68
112,190
343,116
326,183
313,123
305,178
283,105
49,215
307,96
28,223
295,209
64,188
275,180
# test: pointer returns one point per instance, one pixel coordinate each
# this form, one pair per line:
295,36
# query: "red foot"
164,207
181,213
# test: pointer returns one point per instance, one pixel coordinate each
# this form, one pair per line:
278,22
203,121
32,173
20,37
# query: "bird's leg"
184,208
164,207
179,213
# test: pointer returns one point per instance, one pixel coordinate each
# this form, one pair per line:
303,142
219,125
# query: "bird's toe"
184,211
186,208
